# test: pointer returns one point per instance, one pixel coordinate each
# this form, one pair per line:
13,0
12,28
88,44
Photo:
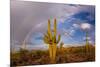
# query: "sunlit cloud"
85,26
84,38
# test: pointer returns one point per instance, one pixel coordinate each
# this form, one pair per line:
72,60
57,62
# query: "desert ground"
41,57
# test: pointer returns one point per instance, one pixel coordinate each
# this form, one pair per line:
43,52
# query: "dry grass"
39,57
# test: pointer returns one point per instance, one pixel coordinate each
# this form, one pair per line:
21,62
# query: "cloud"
76,25
39,38
68,32
30,18
85,26
84,38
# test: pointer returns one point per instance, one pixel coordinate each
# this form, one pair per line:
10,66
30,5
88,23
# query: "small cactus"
23,45
61,45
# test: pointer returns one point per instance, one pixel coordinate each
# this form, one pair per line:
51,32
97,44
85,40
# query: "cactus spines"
51,39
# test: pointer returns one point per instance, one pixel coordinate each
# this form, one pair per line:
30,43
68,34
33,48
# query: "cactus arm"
59,37
46,35
45,40
49,30
55,30
54,39
55,27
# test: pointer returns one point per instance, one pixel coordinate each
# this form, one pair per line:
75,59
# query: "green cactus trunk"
54,52
50,51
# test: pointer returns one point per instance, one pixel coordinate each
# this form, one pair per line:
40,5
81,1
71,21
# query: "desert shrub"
34,57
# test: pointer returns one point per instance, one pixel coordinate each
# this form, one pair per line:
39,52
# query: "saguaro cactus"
23,45
61,46
50,38
87,43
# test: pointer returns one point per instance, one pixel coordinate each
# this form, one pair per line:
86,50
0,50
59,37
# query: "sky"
29,23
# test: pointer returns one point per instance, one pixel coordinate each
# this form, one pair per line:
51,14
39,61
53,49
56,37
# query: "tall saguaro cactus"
50,38
87,43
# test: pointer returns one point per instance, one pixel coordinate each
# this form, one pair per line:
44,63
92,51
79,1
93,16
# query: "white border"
86,2
5,33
